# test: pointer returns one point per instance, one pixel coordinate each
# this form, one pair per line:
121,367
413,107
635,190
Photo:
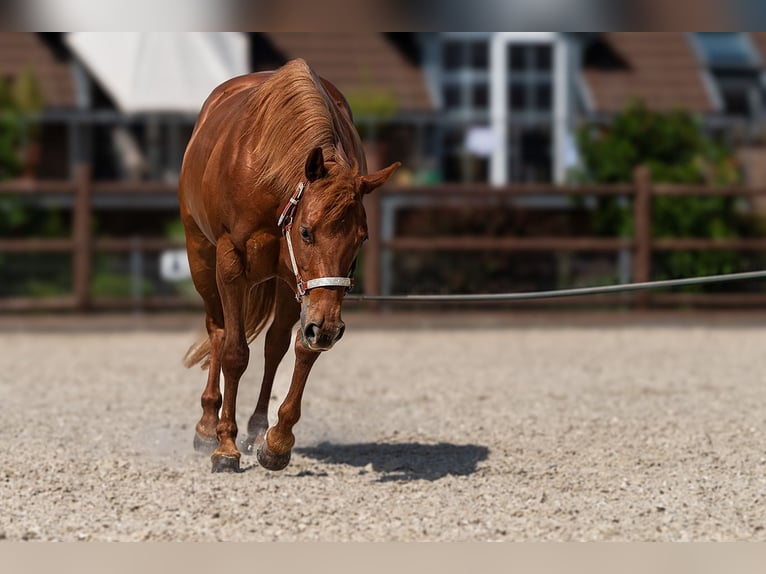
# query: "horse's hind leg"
205,440
202,264
286,313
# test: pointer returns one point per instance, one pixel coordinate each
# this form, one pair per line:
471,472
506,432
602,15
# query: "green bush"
36,274
676,150
108,284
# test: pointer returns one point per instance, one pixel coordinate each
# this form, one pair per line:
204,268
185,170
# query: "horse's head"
328,228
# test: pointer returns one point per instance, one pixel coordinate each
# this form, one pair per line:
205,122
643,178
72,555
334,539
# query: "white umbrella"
160,71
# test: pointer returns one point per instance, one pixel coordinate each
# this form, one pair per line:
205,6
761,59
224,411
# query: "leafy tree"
20,101
10,132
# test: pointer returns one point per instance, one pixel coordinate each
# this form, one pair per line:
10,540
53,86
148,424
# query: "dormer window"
732,65
725,50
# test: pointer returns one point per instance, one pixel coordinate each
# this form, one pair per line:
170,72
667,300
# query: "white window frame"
500,108
465,77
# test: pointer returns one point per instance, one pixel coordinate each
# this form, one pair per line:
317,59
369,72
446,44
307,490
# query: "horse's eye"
305,234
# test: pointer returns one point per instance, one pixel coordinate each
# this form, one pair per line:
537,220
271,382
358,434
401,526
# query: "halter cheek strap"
285,222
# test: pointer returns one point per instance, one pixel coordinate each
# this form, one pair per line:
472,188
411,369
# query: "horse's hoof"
205,445
271,460
224,463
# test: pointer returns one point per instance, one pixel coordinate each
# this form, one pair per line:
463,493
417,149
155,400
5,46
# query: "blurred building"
488,107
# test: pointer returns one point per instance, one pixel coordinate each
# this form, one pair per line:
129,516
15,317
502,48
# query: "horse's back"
229,90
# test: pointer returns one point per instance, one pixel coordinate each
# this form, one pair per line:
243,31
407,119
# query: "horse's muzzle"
322,337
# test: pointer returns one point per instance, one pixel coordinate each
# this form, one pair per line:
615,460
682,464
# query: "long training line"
564,292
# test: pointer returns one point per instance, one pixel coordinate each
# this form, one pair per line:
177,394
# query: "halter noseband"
285,222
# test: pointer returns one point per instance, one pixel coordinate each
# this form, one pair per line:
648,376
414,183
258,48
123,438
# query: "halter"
285,222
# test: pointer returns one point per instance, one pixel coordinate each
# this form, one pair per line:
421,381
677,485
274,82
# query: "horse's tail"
259,310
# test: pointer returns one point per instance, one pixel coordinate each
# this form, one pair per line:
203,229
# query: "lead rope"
527,295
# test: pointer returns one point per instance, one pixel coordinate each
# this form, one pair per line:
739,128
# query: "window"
530,157
503,106
479,51
465,75
530,101
452,55
465,95
732,64
725,49
451,96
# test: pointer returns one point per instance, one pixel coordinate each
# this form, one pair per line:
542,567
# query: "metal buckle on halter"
301,287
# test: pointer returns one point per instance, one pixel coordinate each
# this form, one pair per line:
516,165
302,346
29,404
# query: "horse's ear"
370,182
315,168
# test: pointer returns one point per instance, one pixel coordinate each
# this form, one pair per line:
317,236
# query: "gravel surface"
612,432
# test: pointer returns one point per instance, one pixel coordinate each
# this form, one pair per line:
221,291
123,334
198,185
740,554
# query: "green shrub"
676,150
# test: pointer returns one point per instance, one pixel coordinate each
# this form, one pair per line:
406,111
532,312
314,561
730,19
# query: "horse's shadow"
402,461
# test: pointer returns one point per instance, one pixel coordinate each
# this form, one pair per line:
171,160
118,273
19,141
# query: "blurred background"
530,160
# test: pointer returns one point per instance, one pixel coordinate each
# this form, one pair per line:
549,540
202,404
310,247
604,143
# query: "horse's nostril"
310,332
320,337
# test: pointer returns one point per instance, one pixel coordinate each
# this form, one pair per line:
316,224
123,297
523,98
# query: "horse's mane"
291,114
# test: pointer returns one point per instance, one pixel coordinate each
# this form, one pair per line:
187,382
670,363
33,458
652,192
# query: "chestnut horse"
270,194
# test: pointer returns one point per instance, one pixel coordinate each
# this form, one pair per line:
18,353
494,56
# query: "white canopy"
161,71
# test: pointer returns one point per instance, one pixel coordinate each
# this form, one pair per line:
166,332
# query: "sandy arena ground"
617,431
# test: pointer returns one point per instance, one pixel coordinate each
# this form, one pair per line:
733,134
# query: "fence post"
83,239
372,251
642,222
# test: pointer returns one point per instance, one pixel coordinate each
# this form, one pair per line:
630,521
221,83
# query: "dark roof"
659,68
359,61
19,50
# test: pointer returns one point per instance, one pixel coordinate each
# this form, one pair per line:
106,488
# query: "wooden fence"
642,245
83,245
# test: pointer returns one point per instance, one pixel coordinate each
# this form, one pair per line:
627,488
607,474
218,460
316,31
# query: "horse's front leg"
277,344
274,451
